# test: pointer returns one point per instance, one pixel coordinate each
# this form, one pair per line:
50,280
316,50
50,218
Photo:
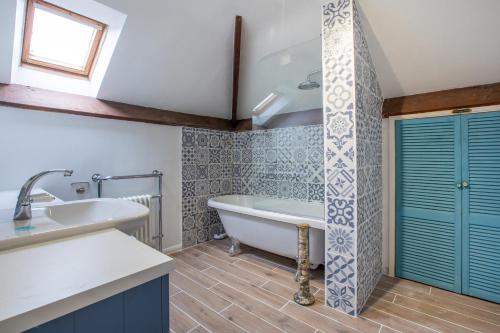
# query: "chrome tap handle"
23,206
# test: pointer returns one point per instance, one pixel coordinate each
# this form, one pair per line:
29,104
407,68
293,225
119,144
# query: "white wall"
35,141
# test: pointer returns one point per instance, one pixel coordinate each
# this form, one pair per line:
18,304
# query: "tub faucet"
23,206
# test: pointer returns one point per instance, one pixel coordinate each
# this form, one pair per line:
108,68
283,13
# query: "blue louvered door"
481,205
428,201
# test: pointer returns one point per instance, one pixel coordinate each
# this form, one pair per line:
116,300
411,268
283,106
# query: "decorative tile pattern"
352,154
206,172
340,156
341,270
369,167
284,162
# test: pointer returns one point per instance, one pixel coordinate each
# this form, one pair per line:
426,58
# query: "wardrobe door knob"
465,184
459,185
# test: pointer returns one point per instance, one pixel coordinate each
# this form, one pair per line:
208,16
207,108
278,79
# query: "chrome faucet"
23,206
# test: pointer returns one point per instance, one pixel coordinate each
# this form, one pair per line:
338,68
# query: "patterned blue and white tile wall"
206,172
283,163
369,102
352,145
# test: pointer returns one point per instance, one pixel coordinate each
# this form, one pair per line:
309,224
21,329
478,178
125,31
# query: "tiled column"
346,123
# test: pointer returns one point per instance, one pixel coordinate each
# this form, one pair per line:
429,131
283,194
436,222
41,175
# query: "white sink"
59,220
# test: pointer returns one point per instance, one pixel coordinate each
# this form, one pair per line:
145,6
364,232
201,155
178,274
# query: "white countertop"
45,281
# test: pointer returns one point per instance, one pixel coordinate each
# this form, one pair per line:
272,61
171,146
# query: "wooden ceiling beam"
52,101
460,98
236,68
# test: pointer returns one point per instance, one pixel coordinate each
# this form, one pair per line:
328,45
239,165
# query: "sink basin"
94,211
70,218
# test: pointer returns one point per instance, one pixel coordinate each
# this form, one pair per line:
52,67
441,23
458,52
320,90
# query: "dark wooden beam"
243,125
236,67
469,97
51,101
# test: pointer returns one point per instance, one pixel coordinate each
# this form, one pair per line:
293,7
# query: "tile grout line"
264,283
264,320
217,313
283,306
230,264
373,321
233,264
404,319
334,319
447,321
264,303
266,277
187,314
255,286
234,323
227,307
199,325
436,297
172,295
209,307
444,308
200,271
382,288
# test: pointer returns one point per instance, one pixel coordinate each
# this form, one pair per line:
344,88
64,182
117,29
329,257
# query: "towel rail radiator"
99,179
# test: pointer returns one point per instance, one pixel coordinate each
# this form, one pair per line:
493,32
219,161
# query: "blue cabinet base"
143,309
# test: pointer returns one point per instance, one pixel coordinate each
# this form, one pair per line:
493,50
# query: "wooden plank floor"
252,292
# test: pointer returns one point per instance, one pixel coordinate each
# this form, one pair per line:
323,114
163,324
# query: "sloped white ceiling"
177,54
429,45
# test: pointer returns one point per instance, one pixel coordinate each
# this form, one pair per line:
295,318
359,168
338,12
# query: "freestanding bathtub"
270,224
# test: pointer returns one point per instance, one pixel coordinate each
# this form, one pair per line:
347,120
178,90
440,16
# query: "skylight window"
58,39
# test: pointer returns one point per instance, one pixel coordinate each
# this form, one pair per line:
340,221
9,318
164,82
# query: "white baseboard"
172,248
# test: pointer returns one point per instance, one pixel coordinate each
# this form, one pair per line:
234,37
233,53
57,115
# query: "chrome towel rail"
99,179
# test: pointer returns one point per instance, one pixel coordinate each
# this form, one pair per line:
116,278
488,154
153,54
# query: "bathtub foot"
235,248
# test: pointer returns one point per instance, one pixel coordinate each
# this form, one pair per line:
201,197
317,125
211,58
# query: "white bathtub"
270,224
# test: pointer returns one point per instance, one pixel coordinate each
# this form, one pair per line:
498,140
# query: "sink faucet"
23,206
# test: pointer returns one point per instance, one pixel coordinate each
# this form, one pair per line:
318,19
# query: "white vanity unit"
72,268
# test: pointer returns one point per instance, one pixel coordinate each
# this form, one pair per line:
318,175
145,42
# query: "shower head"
309,83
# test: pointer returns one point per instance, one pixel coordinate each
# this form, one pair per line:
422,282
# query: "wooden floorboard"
262,310
253,292
466,300
394,322
197,291
447,315
238,284
248,321
199,329
179,321
443,302
208,318
324,324
420,318
193,274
